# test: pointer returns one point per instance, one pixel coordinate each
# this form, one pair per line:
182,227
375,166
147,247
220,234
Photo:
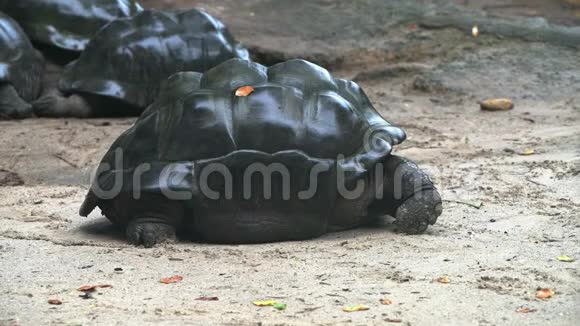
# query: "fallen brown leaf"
544,293
92,288
244,91
54,301
444,280
172,279
525,310
386,302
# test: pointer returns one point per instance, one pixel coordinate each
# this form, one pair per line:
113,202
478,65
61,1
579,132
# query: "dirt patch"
564,12
553,73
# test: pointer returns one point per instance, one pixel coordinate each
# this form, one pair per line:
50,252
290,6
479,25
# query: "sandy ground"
507,217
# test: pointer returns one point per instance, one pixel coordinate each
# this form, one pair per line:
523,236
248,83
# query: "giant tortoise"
66,24
21,69
120,71
249,154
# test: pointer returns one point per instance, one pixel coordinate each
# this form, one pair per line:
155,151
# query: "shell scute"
234,74
301,74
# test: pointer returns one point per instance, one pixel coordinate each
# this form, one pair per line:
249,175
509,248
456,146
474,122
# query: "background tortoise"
21,69
121,70
187,163
67,25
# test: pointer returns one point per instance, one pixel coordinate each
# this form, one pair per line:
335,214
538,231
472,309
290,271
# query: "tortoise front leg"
12,106
408,195
56,105
149,220
149,231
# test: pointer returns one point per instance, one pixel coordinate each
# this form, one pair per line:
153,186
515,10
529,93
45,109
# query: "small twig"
336,295
510,259
546,239
309,309
535,182
476,206
60,157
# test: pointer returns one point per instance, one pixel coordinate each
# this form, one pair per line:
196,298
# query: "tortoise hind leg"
12,106
56,105
408,195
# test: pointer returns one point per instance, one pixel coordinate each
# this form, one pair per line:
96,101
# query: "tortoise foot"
55,105
418,212
11,105
149,233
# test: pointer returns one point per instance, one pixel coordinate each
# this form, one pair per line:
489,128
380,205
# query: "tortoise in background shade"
21,69
66,24
187,163
121,70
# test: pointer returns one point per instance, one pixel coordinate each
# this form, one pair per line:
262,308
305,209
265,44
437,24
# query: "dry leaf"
444,280
87,288
497,104
92,288
244,91
386,302
264,303
526,152
54,301
545,293
355,308
565,259
207,299
525,310
172,279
